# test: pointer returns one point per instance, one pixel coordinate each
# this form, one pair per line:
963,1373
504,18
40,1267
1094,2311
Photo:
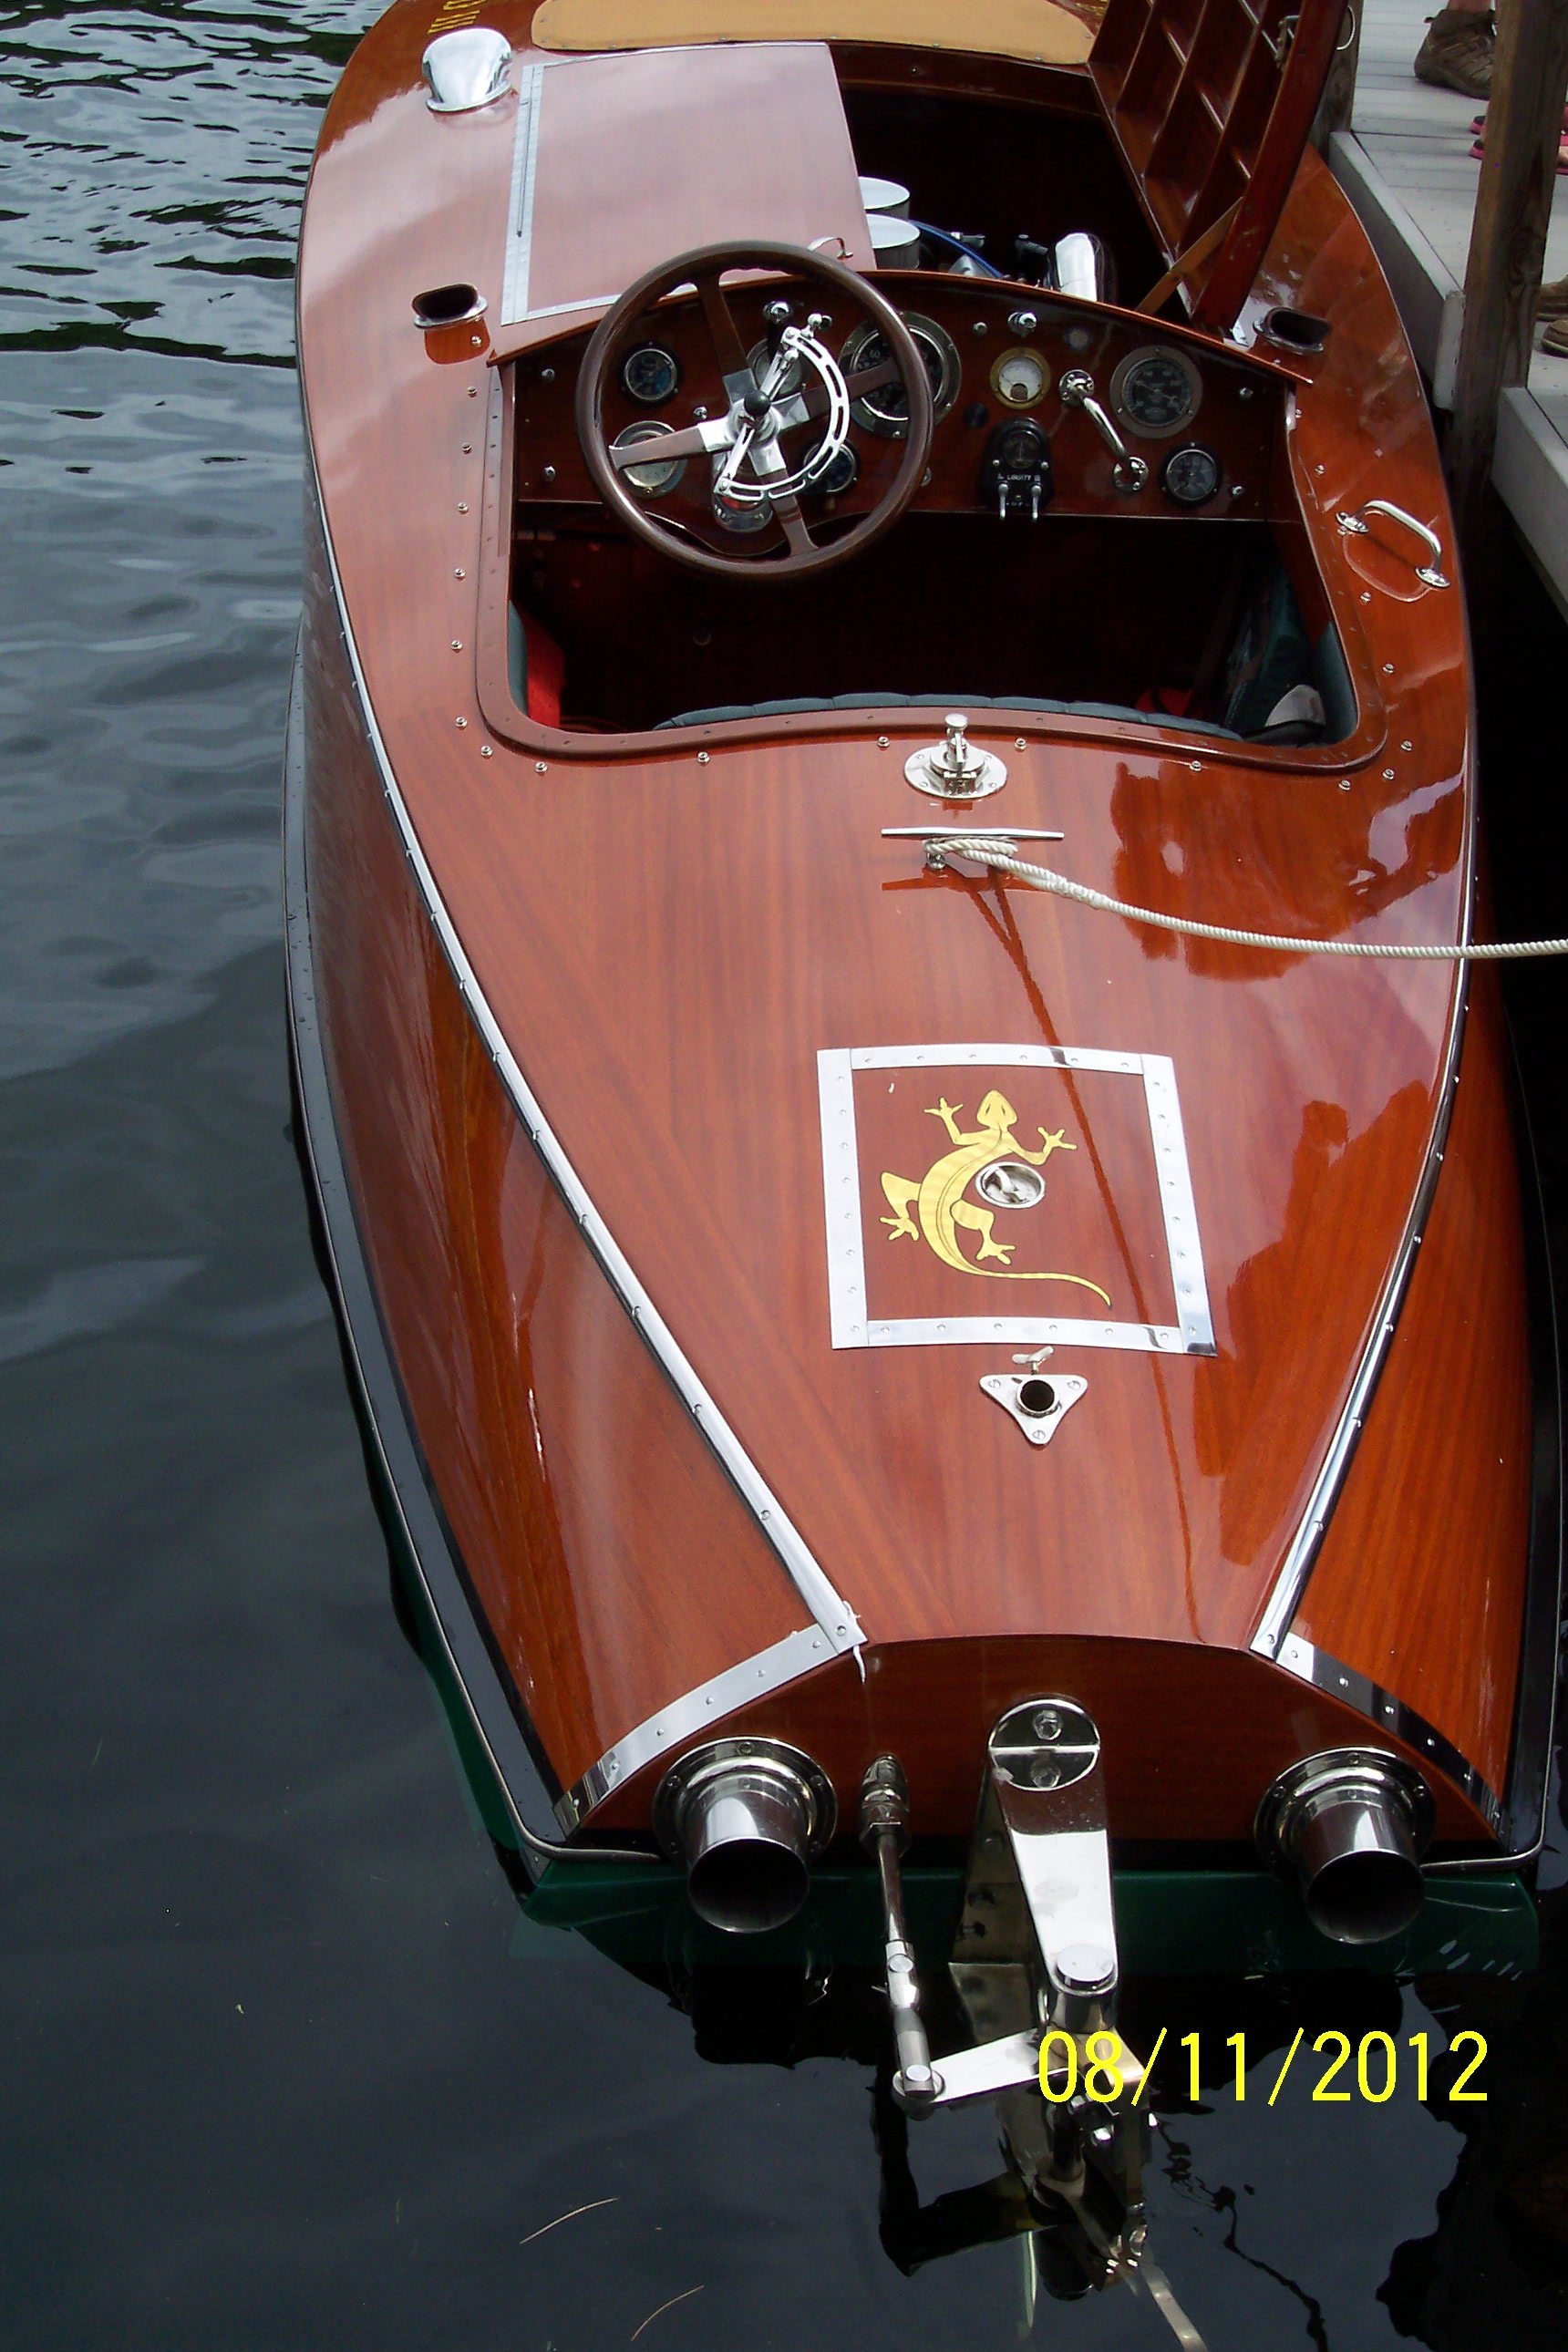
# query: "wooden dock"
1405,164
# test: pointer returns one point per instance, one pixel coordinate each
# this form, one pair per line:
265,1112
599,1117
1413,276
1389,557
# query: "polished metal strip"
662,1733
849,1324
559,309
472,1673
519,212
1021,1330
1170,1141
1291,1581
841,1194
826,1604
1389,1714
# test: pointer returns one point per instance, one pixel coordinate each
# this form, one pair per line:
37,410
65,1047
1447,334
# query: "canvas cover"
1035,30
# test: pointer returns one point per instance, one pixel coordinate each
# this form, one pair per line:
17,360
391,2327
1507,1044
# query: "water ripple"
155,159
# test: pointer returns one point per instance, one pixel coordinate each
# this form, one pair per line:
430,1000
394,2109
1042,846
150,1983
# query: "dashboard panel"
1044,406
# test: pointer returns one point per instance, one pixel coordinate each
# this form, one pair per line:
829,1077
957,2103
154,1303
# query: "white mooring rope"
989,852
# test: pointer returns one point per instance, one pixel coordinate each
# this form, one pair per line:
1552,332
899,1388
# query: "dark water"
282,2064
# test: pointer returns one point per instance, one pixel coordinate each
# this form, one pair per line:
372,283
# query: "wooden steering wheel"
753,473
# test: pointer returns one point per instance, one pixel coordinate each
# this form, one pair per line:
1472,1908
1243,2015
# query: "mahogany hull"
629,968
581,1496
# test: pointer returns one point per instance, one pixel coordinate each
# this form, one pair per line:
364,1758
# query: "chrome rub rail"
838,1629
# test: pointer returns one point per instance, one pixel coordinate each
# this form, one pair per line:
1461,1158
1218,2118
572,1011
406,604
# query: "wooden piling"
1508,242
1338,102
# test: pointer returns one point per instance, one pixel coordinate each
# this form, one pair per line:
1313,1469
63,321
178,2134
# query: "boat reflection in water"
968,1448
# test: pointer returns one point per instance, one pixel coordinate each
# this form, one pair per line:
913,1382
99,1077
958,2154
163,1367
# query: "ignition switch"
1015,471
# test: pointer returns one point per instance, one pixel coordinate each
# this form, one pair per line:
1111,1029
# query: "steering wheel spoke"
730,350
754,469
707,439
786,507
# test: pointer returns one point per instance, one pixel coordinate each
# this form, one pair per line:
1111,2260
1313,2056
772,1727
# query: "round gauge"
651,375
886,410
653,479
1021,378
759,361
1157,392
1191,475
840,474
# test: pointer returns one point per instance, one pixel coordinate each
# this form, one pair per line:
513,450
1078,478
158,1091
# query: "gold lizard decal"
938,1197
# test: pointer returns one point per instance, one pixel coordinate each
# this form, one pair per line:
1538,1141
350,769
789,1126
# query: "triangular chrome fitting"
1038,1403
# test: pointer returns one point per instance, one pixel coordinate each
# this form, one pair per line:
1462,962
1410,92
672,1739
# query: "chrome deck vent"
466,69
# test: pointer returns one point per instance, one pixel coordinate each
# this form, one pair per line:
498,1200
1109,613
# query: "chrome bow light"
744,1817
466,69
1353,1822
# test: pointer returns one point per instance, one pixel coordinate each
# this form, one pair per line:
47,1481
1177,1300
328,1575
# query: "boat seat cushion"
723,711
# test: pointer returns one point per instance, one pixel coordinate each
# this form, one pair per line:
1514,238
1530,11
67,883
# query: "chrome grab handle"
1431,573
1130,473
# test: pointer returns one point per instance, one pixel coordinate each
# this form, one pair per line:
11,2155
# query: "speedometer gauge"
651,375
885,407
1156,391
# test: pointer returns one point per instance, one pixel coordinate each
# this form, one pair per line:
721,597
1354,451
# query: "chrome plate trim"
493,1716
1193,1333
1389,1714
1285,1597
833,1614
520,212
698,1710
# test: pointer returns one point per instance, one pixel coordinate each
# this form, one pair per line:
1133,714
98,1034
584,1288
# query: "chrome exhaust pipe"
744,1817
1353,1823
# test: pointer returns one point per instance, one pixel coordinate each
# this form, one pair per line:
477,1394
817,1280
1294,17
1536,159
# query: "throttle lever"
1130,474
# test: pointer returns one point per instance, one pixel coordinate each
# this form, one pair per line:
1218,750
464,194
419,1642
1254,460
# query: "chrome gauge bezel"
650,399
841,475
930,338
652,430
1129,416
999,367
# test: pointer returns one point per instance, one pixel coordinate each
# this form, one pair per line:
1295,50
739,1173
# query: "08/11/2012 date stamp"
1099,2068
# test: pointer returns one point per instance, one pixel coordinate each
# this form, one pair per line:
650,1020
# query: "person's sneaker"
1457,51
1551,302
1556,339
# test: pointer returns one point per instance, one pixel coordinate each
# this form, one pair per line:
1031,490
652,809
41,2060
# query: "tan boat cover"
1034,30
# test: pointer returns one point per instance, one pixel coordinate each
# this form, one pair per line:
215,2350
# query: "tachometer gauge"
1191,475
1021,378
653,479
1156,391
885,409
651,375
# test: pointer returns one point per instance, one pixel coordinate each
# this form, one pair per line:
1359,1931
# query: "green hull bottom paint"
1170,1923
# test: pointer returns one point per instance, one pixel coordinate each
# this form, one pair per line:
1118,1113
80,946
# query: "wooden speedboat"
861,1350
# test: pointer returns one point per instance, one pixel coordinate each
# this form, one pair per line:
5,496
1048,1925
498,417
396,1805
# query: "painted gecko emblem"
938,1197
